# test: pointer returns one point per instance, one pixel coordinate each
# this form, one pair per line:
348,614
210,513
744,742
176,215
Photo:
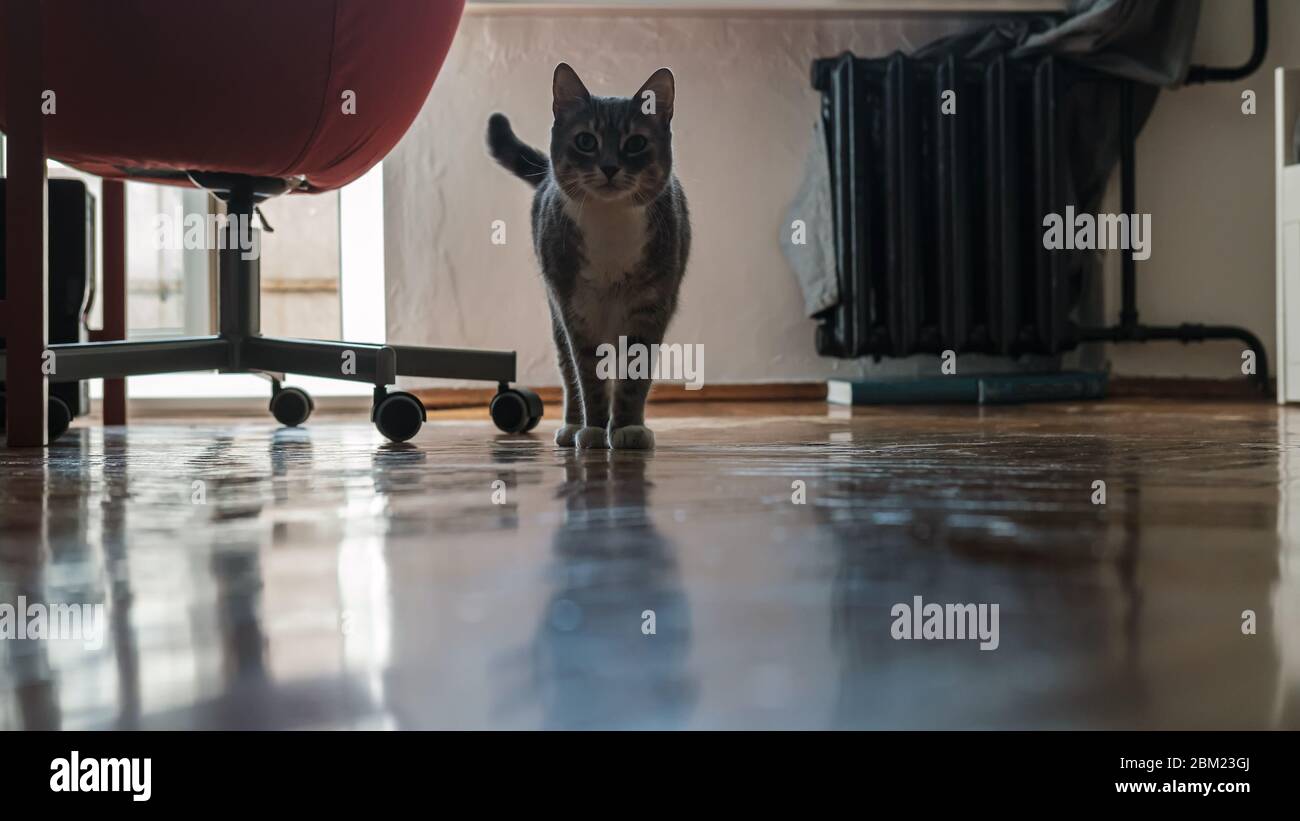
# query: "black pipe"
1215,74
1187,332
1128,314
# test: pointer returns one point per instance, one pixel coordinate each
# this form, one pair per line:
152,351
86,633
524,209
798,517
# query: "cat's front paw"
591,437
566,434
632,437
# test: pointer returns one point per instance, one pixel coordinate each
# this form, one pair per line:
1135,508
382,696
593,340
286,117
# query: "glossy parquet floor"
321,578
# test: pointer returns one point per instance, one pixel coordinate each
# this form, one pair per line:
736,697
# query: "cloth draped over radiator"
1148,41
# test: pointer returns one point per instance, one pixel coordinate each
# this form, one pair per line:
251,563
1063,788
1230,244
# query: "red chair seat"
155,87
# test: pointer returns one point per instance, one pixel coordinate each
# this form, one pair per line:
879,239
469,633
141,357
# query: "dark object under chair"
938,218
71,220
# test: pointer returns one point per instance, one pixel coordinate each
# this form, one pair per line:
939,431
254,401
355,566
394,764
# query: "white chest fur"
613,239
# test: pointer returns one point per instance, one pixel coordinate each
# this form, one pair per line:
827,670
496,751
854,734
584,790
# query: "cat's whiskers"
581,204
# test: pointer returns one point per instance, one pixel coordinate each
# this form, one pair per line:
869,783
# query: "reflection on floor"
313,578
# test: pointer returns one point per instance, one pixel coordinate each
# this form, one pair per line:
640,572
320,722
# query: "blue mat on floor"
998,389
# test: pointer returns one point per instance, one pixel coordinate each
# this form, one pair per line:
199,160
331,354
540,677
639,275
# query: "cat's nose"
610,171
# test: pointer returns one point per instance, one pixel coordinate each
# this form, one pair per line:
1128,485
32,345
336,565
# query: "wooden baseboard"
1119,387
447,398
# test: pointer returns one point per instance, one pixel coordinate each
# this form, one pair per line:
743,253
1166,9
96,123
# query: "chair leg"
113,196
113,360
355,362
455,363
25,215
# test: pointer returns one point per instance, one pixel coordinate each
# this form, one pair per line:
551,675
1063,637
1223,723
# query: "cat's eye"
636,144
585,142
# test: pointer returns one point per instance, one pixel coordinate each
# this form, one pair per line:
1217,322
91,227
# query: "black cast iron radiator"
938,217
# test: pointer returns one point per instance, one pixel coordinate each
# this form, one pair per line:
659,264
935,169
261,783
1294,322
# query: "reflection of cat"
612,233
594,664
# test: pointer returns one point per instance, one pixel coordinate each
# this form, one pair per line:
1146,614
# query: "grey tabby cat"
611,231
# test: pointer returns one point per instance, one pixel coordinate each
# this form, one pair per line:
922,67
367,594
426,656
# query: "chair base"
240,347
377,365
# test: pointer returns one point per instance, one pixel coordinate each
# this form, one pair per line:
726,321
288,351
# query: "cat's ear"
569,91
655,97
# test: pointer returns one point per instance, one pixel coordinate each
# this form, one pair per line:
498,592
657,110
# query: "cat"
611,232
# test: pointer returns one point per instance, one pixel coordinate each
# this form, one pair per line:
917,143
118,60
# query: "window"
167,290
322,277
300,267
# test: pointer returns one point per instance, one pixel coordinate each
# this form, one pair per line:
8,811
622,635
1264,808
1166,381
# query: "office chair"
248,100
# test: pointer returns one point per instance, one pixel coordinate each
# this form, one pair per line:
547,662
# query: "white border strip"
361,258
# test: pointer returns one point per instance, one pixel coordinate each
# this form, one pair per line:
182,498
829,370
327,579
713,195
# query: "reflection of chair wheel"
516,410
398,415
58,416
291,406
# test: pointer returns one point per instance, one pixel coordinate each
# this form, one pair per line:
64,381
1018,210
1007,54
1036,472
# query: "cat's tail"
519,158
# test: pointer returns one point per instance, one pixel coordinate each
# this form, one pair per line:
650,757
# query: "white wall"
743,121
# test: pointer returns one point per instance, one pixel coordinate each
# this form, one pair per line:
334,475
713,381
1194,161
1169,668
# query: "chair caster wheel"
516,410
58,416
398,415
291,406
